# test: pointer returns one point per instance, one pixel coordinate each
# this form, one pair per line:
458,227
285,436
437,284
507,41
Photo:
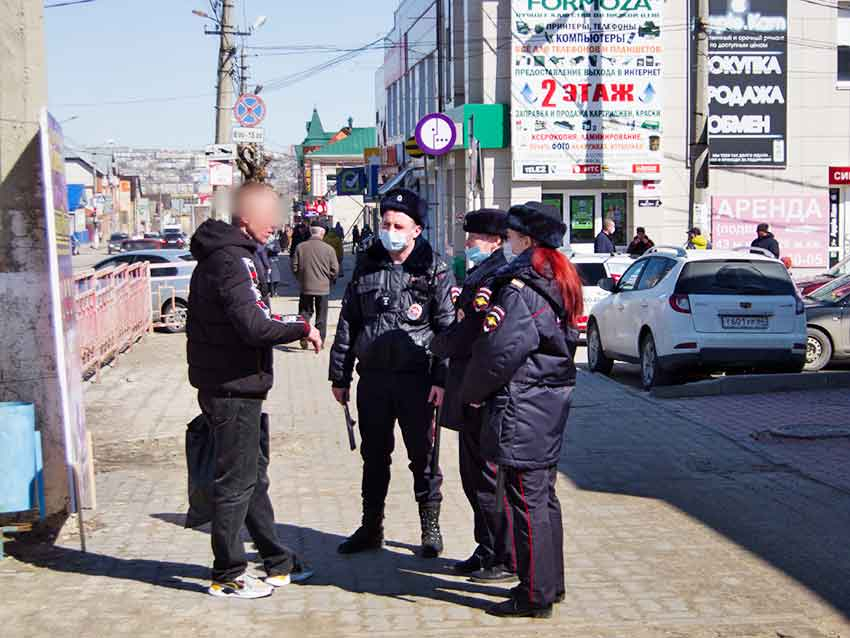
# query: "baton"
349,424
435,458
500,490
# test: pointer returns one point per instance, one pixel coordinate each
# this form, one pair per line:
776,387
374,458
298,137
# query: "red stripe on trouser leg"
530,542
511,530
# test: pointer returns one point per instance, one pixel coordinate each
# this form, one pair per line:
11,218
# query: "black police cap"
405,201
486,221
539,221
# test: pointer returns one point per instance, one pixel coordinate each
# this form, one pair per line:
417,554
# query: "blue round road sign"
249,110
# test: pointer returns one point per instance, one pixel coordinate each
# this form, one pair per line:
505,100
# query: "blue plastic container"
20,456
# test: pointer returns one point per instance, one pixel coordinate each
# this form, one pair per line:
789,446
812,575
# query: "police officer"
493,559
522,370
398,299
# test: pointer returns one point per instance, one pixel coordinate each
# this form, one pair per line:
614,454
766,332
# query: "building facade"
587,104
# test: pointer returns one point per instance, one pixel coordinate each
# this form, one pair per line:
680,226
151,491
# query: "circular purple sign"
436,134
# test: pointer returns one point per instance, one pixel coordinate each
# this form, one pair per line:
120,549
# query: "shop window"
582,215
614,207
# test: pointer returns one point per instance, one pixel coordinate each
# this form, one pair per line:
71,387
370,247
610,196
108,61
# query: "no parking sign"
249,110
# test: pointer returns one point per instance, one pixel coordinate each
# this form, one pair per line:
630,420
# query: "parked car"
675,311
141,244
592,268
114,243
169,285
828,323
812,283
153,235
175,239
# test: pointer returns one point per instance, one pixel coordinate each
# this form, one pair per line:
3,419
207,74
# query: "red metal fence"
112,310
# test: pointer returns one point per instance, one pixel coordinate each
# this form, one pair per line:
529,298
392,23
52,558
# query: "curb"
754,384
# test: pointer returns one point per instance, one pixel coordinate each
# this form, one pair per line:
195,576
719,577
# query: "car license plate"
743,323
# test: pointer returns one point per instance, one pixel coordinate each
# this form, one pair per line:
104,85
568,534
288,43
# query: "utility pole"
700,153
439,187
243,73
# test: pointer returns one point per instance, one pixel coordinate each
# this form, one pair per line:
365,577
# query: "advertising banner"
799,222
748,64
587,89
60,296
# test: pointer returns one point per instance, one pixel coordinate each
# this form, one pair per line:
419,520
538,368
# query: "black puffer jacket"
768,242
391,313
522,370
231,329
455,343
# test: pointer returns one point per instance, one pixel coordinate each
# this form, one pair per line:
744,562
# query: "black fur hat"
405,201
487,221
539,221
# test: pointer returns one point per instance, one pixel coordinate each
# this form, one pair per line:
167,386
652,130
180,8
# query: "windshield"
841,268
833,291
735,277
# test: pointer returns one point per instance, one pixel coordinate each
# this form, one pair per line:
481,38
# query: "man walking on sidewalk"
315,266
231,331
398,298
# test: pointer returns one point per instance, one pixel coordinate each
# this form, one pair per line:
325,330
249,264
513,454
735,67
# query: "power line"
66,4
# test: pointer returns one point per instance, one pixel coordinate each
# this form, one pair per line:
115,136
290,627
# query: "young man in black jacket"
397,300
231,331
493,559
765,239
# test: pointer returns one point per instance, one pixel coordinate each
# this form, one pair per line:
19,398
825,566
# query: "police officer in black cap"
398,299
522,371
493,559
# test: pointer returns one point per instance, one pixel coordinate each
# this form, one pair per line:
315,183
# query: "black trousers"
493,530
538,534
382,399
318,304
241,491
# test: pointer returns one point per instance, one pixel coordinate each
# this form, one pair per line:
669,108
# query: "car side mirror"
607,283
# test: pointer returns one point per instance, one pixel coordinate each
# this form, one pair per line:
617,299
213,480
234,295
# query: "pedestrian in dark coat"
604,244
231,332
355,238
641,243
399,297
766,240
522,373
492,560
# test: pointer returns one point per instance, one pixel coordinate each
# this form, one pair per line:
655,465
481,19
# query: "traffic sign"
249,110
244,135
436,134
221,174
351,181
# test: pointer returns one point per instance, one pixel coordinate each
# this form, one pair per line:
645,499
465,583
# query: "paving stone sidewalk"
672,528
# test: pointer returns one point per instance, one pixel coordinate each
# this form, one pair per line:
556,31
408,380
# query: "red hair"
553,264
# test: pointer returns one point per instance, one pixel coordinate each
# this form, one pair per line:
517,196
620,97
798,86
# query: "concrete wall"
27,365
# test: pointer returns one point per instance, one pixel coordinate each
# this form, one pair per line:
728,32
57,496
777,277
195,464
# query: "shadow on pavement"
394,574
639,449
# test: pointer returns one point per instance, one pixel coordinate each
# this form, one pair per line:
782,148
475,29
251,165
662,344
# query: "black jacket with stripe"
230,328
522,370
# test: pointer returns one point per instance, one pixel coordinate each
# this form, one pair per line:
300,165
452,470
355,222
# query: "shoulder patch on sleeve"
493,319
518,283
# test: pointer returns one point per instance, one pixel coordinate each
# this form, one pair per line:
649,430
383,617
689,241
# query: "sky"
106,52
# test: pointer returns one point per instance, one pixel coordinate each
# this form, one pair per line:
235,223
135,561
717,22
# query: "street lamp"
259,22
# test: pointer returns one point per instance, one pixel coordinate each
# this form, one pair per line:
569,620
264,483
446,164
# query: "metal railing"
112,310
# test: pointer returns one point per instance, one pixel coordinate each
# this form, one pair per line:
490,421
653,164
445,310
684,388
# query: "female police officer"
522,371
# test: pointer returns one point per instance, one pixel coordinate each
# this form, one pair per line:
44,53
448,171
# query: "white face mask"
393,240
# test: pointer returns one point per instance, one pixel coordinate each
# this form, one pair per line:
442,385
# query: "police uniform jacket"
455,343
522,370
390,315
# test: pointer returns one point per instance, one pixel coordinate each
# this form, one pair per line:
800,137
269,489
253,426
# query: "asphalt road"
88,257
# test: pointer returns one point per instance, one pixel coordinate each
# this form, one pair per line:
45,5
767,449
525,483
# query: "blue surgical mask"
475,256
393,240
509,252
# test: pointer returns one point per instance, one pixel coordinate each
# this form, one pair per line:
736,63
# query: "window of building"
614,207
582,215
842,41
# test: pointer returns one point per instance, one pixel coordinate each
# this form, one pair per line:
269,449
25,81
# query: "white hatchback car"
674,310
591,269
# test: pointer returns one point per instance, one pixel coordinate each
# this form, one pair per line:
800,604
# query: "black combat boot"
370,535
432,539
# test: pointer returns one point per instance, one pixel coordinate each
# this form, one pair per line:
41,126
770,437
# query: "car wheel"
174,317
651,373
596,359
818,350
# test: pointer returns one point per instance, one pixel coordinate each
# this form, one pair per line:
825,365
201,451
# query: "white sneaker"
278,581
303,573
246,586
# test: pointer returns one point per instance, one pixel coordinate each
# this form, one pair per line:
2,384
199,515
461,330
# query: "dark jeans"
493,530
308,304
538,534
241,491
382,399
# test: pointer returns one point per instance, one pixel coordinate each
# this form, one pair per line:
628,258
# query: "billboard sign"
587,89
799,222
747,85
